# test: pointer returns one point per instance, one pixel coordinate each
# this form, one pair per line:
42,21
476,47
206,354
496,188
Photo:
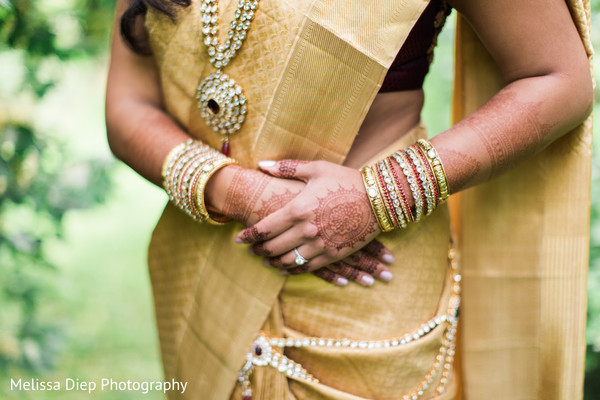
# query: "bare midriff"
391,116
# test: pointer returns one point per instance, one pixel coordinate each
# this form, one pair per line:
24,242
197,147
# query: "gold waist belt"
268,352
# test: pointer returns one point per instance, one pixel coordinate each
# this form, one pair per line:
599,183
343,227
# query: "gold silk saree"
310,70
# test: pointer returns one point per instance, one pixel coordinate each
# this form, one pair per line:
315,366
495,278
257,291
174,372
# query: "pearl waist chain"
268,351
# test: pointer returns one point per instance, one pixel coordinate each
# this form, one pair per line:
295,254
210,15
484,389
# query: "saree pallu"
310,70
524,240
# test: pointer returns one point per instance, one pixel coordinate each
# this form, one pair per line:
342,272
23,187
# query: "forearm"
139,131
141,135
516,123
540,57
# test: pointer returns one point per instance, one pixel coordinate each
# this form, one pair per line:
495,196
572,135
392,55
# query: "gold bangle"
186,171
173,155
177,177
375,199
438,168
206,172
186,194
174,165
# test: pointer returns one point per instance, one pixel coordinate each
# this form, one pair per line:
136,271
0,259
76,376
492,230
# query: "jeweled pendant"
222,103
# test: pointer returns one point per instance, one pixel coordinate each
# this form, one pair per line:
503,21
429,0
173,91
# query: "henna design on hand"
259,249
275,202
364,262
252,235
344,218
347,270
375,248
326,275
287,168
243,194
299,270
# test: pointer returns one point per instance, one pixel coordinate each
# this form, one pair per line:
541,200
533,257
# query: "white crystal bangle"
406,167
422,176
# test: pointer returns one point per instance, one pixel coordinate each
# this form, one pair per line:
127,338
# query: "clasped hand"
329,222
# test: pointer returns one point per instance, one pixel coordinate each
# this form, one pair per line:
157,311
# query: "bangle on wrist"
427,182
185,173
375,199
206,173
421,173
402,200
390,196
407,168
438,168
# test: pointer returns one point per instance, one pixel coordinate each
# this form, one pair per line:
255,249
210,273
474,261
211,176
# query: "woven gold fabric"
524,244
310,78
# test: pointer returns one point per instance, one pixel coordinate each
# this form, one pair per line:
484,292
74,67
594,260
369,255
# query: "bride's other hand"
252,195
330,219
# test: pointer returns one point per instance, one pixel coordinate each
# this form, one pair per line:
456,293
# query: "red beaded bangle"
417,178
430,172
404,204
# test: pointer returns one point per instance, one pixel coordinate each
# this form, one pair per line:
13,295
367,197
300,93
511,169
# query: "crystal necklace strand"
220,98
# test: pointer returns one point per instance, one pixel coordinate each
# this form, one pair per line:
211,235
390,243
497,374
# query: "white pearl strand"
263,351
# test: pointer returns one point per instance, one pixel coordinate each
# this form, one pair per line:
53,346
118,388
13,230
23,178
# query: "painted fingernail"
266,163
266,263
342,281
388,258
238,240
367,280
386,276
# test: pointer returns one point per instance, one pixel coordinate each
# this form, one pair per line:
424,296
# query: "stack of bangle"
185,173
423,169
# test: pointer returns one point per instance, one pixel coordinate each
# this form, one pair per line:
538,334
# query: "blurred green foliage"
39,181
592,361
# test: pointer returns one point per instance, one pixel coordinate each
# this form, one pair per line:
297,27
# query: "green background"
75,299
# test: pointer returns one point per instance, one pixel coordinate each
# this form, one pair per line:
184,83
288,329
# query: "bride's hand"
252,195
329,220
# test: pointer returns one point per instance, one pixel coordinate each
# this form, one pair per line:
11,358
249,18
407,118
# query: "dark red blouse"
408,70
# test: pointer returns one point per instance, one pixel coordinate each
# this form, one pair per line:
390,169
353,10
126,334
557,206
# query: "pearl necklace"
220,98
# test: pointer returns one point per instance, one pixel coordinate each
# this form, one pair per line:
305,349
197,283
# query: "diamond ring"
299,259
